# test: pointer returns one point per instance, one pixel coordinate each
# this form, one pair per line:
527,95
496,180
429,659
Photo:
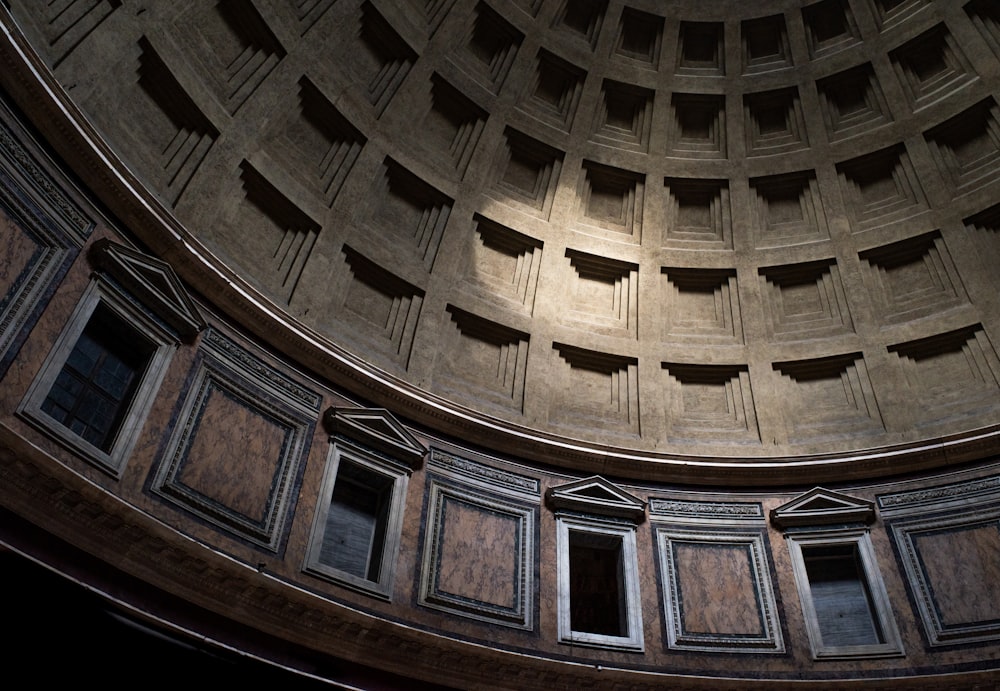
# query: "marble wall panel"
954,572
948,539
717,592
479,546
242,435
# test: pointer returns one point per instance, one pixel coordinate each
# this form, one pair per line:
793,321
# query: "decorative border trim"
56,226
941,497
706,510
40,187
492,477
253,368
39,489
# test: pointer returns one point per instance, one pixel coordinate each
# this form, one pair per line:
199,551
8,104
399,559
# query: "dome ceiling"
656,239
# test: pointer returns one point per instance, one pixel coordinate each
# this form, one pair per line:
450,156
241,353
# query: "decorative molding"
582,20
952,564
528,171
710,402
52,232
279,417
236,47
706,510
597,497
492,44
701,305
237,356
830,27
764,44
152,282
493,477
178,461
41,188
819,507
503,264
640,37
943,497
701,49
625,115
378,429
554,94
698,214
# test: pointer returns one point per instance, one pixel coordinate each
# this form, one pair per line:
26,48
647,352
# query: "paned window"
844,601
356,521
359,518
597,565
98,381
101,376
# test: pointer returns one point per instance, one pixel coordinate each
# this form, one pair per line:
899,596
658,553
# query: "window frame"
102,292
624,531
344,451
881,609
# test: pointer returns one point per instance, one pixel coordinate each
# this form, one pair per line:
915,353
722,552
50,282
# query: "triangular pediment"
152,282
821,506
595,495
377,429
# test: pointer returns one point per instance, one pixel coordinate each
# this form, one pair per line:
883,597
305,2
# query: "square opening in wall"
356,523
96,385
597,579
840,595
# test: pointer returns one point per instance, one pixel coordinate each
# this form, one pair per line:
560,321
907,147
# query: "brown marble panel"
963,570
478,552
15,254
717,589
233,455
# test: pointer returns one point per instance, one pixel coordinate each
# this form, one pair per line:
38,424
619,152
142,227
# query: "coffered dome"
691,242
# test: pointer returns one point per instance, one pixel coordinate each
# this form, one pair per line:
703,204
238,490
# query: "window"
597,584
844,610
597,565
359,518
844,601
354,534
99,379
101,376
843,598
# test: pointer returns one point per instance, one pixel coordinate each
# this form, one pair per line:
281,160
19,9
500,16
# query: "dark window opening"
355,526
840,595
597,584
94,389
